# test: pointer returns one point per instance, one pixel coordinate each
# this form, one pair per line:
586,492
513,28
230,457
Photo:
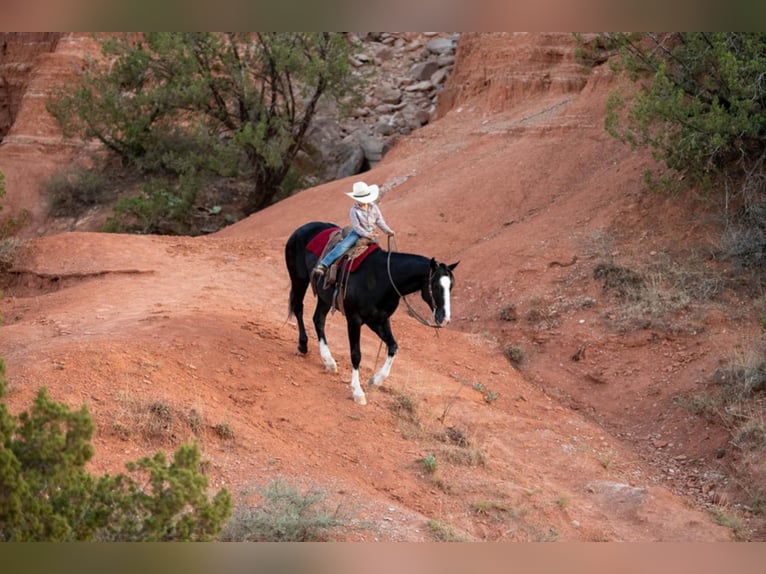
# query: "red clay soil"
519,182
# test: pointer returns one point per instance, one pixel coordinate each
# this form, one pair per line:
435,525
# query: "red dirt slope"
515,175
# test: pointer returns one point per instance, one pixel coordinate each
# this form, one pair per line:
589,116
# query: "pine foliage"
46,493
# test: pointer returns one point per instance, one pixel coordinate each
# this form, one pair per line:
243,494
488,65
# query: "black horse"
371,297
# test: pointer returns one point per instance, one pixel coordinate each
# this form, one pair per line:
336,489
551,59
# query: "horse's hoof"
301,351
360,399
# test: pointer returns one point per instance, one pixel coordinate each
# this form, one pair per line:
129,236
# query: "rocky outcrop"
495,70
33,148
405,74
19,55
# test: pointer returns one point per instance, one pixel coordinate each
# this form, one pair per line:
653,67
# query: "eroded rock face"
406,72
496,70
19,53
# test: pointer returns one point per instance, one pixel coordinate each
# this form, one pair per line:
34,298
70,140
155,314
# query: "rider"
365,215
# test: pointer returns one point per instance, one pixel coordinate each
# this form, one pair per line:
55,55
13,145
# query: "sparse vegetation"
443,532
454,436
74,189
285,514
515,355
9,245
548,535
405,408
490,508
702,404
489,395
657,294
729,519
738,402
508,313
743,397
625,283
459,450
453,398
542,313
158,422
605,459
466,456
224,431
432,472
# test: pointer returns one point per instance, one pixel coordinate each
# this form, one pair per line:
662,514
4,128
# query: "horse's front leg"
320,315
354,337
384,332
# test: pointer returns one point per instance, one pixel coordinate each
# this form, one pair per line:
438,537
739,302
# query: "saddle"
345,261
339,271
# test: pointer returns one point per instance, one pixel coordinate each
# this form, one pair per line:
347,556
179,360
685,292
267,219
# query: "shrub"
508,313
443,532
284,515
430,463
174,505
163,207
514,354
47,495
75,189
9,225
9,247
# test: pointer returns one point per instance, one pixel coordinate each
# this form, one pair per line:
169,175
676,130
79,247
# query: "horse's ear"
433,263
452,267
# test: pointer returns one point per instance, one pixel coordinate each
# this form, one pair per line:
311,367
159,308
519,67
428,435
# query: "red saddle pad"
318,242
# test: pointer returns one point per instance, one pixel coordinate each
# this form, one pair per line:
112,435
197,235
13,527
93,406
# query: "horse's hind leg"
384,332
320,315
297,293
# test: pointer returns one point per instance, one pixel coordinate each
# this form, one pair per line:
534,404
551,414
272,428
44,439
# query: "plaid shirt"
364,220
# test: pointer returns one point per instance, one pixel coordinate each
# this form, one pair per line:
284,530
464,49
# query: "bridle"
410,309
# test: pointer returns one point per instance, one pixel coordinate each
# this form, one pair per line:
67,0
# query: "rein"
411,310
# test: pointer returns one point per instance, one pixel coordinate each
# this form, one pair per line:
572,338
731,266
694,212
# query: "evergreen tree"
699,106
185,105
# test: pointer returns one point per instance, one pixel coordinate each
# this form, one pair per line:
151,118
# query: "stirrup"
319,270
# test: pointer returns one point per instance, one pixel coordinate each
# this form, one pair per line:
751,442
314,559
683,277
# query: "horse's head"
436,292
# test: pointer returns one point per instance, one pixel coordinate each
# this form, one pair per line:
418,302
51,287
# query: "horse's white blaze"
446,284
356,388
384,371
327,360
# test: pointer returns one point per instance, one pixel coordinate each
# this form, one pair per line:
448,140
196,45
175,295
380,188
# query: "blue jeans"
345,244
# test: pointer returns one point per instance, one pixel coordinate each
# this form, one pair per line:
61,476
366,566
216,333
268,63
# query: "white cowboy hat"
364,193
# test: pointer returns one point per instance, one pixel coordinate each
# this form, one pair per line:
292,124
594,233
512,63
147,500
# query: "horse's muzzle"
441,318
